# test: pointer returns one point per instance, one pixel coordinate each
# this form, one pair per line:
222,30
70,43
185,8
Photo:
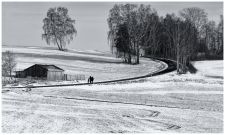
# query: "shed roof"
50,67
47,67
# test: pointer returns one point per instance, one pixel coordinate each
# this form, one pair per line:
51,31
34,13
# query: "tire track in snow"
167,125
38,110
115,102
153,114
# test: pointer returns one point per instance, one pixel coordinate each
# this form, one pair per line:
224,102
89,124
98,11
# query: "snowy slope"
100,65
210,68
189,103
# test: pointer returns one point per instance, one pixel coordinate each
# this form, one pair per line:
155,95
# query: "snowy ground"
101,65
190,103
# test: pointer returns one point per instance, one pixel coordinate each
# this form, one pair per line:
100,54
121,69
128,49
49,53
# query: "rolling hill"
103,66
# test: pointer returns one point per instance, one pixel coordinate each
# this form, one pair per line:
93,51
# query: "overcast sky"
22,21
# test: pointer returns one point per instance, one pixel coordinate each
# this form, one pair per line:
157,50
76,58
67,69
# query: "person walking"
89,79
92,79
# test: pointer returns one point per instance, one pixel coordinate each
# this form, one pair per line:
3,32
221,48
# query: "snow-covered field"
190,103
101,65
215,70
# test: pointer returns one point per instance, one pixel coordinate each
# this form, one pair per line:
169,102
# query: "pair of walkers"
91,79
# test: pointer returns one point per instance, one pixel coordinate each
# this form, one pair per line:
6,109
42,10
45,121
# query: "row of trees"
128,26
210,35
214,37
134,28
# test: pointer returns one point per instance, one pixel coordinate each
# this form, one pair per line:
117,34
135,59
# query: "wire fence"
77,77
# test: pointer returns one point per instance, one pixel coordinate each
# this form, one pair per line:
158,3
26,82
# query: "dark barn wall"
20,74
36,71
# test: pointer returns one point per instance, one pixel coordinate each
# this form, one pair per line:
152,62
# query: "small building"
49,72
142,52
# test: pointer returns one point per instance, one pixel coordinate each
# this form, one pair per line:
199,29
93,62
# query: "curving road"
171,66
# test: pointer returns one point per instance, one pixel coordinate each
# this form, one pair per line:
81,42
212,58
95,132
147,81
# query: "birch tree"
58,27
136,17
8,63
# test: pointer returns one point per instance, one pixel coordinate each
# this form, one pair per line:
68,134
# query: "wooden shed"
49,72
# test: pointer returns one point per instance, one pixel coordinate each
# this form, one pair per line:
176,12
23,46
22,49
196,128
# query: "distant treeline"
137,30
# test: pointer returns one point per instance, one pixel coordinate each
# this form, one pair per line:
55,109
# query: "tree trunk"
129,58
10,73
58,44
125,57
137,53
61,45
178,49
178,58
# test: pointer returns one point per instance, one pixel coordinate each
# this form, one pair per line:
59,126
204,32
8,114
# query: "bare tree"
220,36
211,37
182,35
138,20
142,23
8,63
150,41
197,16
119,16
122,44
58,27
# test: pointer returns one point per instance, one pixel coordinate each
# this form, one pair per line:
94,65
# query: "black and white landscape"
157,67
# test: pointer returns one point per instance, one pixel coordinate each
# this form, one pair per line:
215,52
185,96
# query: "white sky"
22,21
